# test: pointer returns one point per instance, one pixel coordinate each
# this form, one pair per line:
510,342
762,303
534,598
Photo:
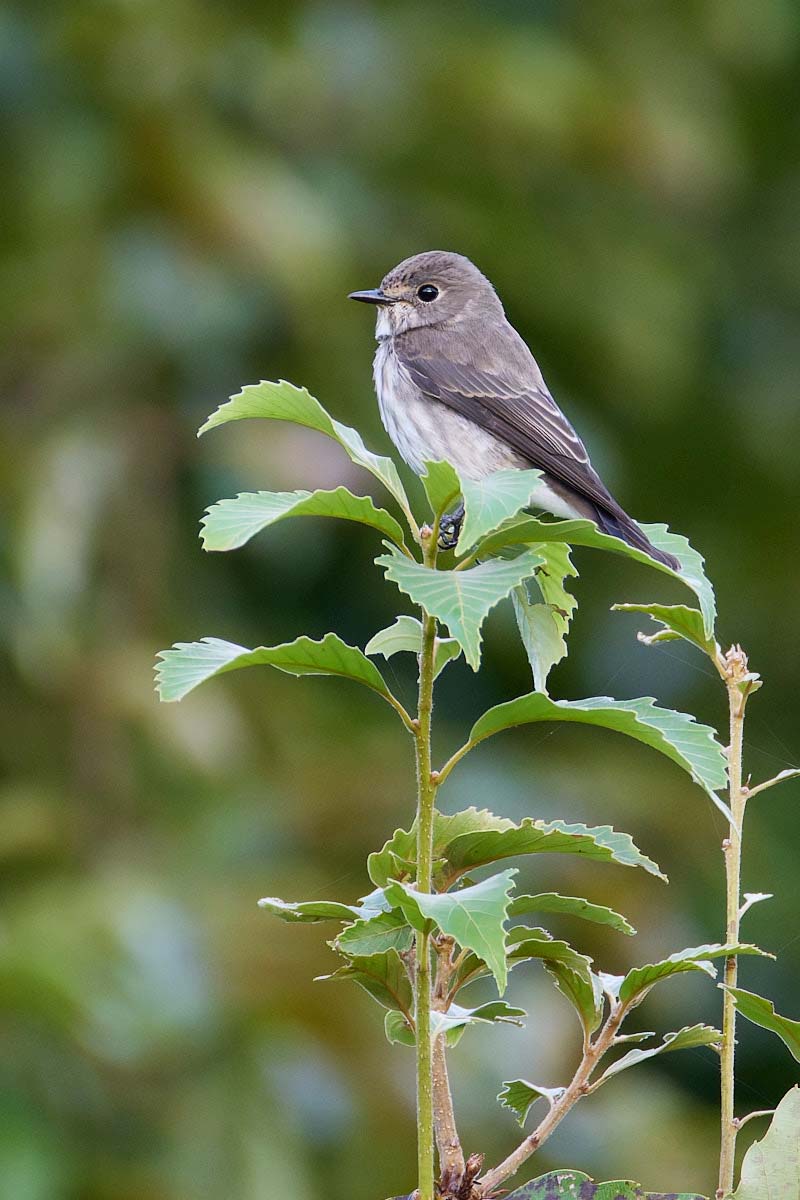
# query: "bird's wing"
506,396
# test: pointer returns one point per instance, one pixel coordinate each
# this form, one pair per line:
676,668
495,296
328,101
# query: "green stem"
426,804
734,667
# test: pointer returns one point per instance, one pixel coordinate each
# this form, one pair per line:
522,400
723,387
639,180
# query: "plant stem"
426,803
448,1144
733,668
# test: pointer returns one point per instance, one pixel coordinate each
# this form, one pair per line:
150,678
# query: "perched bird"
455,381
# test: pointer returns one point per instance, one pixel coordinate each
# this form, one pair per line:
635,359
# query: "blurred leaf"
677,621
406,634
638,981
574,1185
474,916
684,1039
491,501
231,523
572,906
770,1166
761,1012
282,401
386,931
188,664
461,600
306,911
383,976
585,533
675,734
544,627
519,1096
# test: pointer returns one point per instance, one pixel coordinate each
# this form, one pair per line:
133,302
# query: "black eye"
427,292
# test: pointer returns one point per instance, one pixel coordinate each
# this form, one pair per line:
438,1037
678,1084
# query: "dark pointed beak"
372,296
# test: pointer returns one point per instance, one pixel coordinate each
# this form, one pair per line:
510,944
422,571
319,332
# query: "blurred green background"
189,192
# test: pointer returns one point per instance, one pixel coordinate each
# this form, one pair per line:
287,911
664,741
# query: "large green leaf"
574,1185
383,976
761,1012
572,906
461,600
676,734
570,970
374,935
676,621
188,664
684,1039
406,634
530,531
543,619
638,982
771,1167
491,501
474,916
519,1096
230,523
283,401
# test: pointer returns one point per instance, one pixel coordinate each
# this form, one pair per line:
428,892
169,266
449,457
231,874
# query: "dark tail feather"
621,526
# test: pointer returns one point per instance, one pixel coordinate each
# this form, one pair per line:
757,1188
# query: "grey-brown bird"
456,381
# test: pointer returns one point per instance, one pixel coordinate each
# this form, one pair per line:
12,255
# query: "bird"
455,381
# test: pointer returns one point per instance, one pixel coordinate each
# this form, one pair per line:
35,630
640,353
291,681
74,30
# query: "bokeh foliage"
189,192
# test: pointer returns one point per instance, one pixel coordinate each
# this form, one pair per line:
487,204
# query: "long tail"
621,526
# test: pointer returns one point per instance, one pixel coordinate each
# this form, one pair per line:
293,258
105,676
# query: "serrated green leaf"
505,839
442,487
188,664
685,1039
461,600
519,1096
454,1021
543,619
761,1012
572,906
283,401
491,501
474,916
375,935
574,1185
771,1167
570,970
476,837
383,976
638,981
229,524
528,532
677,735
406,634
676,621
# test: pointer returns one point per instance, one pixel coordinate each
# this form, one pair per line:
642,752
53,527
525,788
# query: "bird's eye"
427,292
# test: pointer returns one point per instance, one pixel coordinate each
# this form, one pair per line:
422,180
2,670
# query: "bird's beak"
372,296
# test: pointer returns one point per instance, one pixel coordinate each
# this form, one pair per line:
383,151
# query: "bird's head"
433,288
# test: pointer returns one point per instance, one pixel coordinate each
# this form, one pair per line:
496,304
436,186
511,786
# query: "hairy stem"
578,1087
448,1144
426,803
733,668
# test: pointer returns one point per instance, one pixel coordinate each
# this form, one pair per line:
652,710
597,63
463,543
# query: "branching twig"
580,1085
